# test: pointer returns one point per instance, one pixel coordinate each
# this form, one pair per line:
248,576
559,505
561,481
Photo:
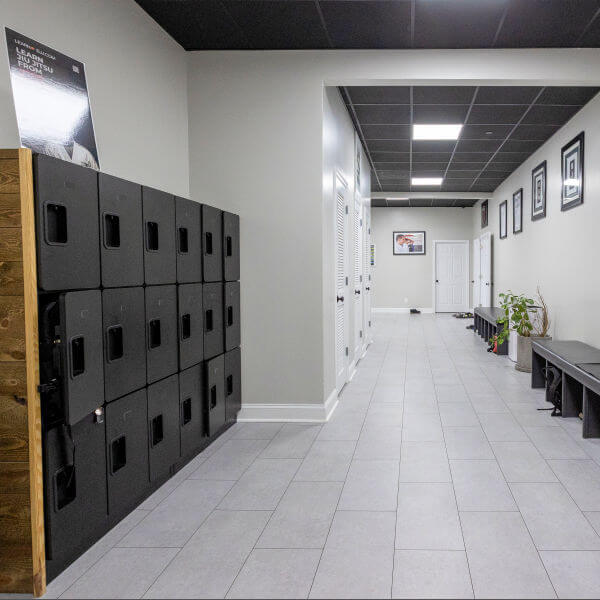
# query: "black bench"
579,364
486,325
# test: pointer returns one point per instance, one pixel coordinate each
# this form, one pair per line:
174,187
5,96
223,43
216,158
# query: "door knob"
437,280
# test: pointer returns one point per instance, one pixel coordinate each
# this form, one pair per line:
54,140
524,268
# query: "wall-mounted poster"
409,242
51,101
484,214
372,260
572,173
538,192
503,219
518,211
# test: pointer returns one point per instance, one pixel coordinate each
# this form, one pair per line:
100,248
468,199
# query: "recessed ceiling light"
436,132
427,180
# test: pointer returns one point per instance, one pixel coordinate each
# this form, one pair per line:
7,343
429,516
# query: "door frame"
467,244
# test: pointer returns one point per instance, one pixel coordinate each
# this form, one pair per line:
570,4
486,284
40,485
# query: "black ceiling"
319,24
502,127
422,202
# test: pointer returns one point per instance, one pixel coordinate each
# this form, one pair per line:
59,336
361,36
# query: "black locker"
231,314
75,507
127,452
214,395
163,426
233,384
212,300
81,353
159,237
161,332
231,247
121,231
191,385
189,241
66,205
124,341
212,243
191,325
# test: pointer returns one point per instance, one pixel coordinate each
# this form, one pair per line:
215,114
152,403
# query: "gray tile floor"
436,477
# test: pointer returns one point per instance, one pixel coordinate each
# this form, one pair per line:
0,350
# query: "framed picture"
409,242
484,214
538,192
503,219
572,173
518,211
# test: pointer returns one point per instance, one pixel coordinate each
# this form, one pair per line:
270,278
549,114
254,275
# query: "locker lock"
99,415
340,298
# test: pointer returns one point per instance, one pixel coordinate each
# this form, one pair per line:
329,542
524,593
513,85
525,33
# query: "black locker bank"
139,318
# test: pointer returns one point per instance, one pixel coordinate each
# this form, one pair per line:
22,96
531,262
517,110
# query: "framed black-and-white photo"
572,173
409,242
503,219
538,192
484,214
518,211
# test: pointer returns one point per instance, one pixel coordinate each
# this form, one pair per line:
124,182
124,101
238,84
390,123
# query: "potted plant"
528,320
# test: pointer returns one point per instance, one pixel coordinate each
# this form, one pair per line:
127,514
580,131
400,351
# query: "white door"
485,268
341,284
451,276
476,273
367,278
358,277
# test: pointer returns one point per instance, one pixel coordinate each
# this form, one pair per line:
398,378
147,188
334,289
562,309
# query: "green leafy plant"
516,317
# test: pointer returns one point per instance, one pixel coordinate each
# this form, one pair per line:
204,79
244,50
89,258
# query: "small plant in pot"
529,320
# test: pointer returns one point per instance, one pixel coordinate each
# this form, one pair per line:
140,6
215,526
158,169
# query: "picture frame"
571,160
408,243
503,209
517,206
538,192
484,214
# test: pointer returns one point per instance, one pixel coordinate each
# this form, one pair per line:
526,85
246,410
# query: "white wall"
136,77
406,281
559,253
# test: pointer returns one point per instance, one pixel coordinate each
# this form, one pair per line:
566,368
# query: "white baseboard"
289,413
402,311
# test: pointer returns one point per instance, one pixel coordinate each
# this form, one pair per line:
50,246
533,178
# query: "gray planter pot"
524,352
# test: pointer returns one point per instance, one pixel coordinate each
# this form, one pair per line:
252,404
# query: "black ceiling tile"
421,202
395,175
567,95
550,115
378,202
388,145
279,25
494,174
440,113
427,157
460,157
545,23
427,172
442,94
390,157
534,132
375,94
470,174
484,132
464,202
443,24
376,115
397,187
486,185
398,202
367,24
433,145
478,145
504,167
457,185
496,114
510,157
521,146
444,202
392,166
591,38
510,94
430,166
466,166
386,132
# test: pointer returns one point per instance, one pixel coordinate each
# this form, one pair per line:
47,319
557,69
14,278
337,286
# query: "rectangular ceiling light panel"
427,180
436,132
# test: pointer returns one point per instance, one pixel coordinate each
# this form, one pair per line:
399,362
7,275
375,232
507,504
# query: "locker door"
357,276
231,247
163,426
231,315
159,237
191,325
191,386
233,384
81,353
213,319
189,246
127,452
214,396
66,205
341,284
124,341
121,250
212,243
161,332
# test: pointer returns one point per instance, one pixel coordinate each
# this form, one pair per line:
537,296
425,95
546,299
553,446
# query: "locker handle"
152,236
55,224
229,385
154,337
213,397
118,454
357,291
229,246
208,245
340,298
114,342
186,411
229,316
183,240
112,231
367,288
77,351
65,488
156,431
186,326
209,320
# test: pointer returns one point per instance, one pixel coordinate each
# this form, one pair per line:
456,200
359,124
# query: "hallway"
436,476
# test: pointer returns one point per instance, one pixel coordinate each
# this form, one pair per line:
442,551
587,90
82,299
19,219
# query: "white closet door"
486,269
358,277
476,273
367,277
451,276
341,284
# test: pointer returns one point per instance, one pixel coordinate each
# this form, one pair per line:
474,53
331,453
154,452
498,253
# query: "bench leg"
571,396
537,375
591,414
503,347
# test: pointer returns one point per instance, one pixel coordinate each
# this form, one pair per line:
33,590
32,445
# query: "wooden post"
22,552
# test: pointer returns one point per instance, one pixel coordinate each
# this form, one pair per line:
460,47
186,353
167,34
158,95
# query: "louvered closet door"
476,273
358,267
341,285
367,277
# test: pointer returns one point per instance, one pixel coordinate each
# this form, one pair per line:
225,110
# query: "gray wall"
406,281
136,78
